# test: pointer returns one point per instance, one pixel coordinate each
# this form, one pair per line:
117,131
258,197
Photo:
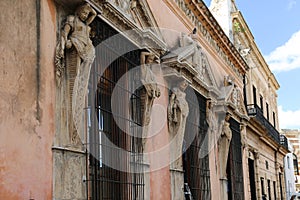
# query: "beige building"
140,99
264,147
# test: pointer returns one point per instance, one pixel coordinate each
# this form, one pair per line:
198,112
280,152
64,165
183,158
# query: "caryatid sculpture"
178,111
76,34
224,144
151,90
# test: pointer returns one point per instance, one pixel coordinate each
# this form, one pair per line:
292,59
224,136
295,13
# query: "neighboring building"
293,136
289,173
170,107
263,151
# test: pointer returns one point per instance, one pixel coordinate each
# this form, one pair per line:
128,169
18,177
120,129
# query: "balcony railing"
284,141
255,111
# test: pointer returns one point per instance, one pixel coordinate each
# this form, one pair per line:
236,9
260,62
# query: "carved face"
83,14
183,85
150,59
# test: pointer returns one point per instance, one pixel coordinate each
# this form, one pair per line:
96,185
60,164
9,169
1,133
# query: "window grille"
112,132
196,164
235,164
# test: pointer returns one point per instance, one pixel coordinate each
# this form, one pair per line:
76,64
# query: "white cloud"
288,119
291,4
287,56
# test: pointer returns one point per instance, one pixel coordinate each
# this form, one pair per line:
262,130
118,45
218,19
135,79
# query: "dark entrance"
252,178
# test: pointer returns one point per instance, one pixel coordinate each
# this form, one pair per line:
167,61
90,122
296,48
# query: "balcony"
255,111
284,141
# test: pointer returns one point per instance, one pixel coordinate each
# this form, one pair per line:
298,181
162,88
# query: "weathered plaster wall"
27,38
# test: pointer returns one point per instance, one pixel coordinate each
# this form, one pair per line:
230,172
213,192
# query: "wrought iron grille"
235,164
256,111
195,159
114,125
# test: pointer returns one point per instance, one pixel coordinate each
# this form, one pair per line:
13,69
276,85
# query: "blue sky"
275,26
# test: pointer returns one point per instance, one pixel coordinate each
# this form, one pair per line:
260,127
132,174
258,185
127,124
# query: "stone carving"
75,36
197,56
212,125
151,90
178,111
235,98
205,33
223,144
243,136
124,5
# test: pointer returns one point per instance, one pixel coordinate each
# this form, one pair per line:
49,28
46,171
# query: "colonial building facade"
264,147
120,99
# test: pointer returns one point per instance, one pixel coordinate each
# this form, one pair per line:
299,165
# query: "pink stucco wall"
26,99
158,145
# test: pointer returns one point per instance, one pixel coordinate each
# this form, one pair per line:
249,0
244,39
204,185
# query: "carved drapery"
75,54
178,111
223,145
149,92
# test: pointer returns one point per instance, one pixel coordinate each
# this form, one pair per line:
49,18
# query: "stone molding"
200,16
136,23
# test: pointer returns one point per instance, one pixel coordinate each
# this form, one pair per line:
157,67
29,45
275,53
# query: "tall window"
252,178
261,99
254,95
280,186
274,119
267,109
274,189
113,158
269,189
295,164
196,159
235,163
262,185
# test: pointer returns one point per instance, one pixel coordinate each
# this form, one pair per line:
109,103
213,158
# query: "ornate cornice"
259,60
204,21
124,22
